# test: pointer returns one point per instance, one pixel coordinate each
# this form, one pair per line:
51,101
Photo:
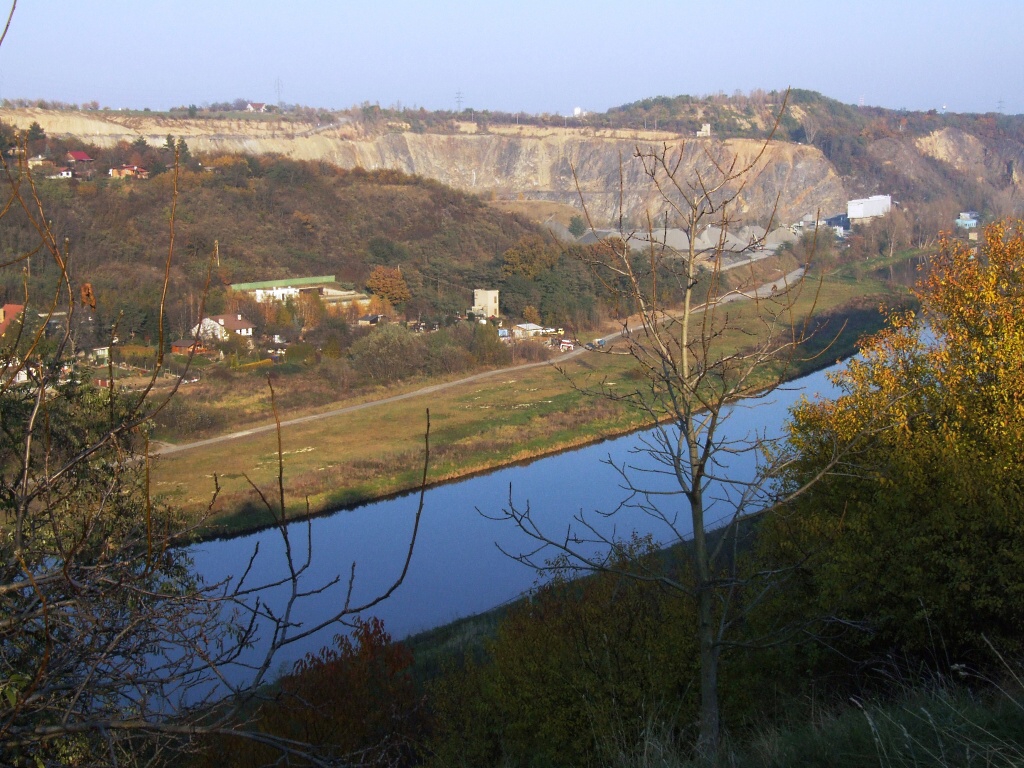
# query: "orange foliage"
388,283
355,703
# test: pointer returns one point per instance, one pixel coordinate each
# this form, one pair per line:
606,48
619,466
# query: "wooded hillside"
273,218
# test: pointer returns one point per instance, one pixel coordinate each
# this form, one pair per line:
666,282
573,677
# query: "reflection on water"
906,273
458,567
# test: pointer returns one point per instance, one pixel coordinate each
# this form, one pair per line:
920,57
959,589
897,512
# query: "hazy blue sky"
530,55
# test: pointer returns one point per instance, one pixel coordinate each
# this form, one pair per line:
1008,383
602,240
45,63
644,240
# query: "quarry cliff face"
790,179
571,168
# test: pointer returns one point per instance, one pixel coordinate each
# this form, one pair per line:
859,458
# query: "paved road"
164,449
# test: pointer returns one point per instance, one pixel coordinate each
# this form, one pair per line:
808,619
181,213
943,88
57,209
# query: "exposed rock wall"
795,179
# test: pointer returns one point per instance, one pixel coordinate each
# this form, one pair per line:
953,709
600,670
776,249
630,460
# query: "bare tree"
112,650
811,125
898,230
698,361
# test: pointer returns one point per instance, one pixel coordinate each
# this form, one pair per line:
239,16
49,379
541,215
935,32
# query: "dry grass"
375,452
538,210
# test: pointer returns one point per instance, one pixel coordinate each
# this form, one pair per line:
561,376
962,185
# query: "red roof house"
78,157
129,172
8,314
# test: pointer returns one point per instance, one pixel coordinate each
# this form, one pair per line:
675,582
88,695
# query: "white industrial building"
281,294
485,303
869,207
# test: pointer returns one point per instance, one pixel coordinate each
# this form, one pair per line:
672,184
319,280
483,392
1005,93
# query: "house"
43,165
13,371
129,172
705,131
61,173
485,303
8,314
366,320
235,324
256,106
80,163
221,327
967,220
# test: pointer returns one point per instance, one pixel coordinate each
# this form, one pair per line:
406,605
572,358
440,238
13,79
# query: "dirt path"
166,448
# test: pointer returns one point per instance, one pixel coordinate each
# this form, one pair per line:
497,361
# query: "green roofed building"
329,290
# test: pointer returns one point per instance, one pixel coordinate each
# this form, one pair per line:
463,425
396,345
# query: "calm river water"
458,567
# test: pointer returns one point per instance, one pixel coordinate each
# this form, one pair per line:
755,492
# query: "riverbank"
515,415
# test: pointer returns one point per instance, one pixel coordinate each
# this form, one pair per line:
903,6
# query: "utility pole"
458,102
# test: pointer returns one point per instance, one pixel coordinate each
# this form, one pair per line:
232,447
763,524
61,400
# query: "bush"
387,354
356,702
575,676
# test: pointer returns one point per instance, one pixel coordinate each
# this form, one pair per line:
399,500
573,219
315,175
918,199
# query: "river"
459,566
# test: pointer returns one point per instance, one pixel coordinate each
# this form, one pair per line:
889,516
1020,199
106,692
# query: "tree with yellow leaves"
917,537
388,283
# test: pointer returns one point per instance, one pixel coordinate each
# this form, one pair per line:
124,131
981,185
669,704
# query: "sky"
513,55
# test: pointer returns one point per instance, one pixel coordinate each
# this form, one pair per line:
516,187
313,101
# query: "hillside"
272,218
826,153
530,162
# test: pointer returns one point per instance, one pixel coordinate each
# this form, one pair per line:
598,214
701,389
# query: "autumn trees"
388,284
576,675
356,700
915,541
